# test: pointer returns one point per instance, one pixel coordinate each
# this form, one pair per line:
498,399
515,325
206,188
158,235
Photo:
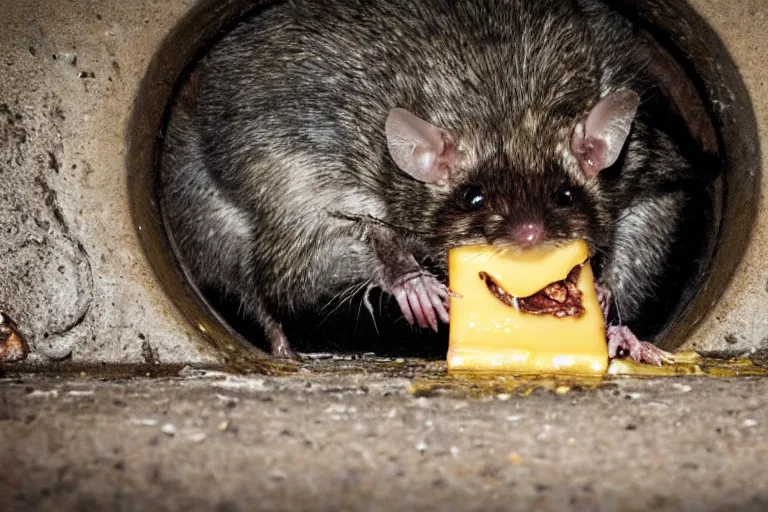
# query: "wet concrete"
365,441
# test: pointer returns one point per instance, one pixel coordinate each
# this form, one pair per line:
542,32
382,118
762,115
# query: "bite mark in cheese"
488,335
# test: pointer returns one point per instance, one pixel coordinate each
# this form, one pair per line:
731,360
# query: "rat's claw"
440,289
441,309
622,340
402,300
425,301
418,312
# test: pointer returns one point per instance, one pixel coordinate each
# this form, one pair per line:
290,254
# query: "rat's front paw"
621,340
422,299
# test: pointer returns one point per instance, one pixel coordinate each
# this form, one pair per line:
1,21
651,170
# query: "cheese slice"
487,334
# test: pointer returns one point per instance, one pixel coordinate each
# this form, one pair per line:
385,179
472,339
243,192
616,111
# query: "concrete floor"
363,440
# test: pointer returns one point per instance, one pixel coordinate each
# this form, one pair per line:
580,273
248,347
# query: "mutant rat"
325,147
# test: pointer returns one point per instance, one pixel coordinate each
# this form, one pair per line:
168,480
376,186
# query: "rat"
322,149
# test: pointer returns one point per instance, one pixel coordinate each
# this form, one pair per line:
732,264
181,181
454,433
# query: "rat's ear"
421,149
597,141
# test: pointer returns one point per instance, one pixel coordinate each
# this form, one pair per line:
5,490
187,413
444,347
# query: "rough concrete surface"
72,274
363,442
739,321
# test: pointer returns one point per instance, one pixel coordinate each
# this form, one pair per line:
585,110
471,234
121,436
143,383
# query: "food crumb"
143,422
198,437
81,392
684,388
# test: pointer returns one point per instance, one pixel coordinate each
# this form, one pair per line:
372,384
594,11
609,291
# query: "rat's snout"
528,234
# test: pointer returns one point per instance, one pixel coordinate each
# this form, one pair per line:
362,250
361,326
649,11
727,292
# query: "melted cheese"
488,335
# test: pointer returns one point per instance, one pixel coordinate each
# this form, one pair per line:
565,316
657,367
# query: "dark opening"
718,116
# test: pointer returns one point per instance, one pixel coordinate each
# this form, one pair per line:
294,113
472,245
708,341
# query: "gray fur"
278,186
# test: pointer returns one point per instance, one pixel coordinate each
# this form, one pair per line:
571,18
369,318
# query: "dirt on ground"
362,439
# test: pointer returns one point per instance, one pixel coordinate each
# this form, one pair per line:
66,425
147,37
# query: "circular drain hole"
701,88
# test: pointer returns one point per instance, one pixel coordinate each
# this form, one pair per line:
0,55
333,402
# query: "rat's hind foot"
281,348
621,340
278,341
422,299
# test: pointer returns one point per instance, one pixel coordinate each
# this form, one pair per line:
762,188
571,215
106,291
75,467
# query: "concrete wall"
740,320
72,273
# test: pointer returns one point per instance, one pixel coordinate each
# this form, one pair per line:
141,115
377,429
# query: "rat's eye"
472,197
564,197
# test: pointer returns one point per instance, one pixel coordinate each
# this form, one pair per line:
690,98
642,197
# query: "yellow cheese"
488,335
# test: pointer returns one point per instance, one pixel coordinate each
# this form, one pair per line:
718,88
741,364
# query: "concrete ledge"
361,442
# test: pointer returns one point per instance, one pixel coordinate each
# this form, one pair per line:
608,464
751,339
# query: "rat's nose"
528,234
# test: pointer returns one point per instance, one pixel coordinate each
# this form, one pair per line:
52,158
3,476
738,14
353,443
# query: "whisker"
367,302
344,297
370,219
343,291
381,303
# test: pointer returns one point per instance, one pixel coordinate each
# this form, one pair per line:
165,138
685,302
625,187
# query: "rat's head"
552,196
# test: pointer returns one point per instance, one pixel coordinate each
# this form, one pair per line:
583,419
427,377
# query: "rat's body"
292,176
